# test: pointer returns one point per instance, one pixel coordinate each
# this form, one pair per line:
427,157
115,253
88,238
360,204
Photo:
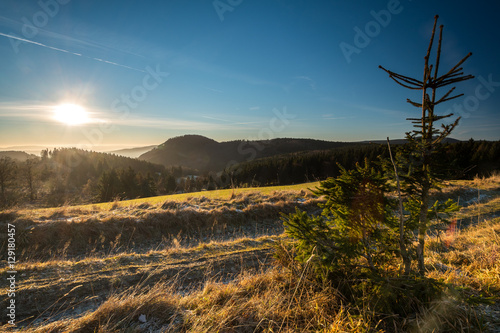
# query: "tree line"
74,176
460,160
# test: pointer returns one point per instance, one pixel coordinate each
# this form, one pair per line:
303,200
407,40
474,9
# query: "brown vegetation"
232,285
79,231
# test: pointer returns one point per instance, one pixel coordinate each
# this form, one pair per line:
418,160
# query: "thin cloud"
385,111
42,112
181,60
38,112
173,124
217,119
17,25
25,111
69,52
297,80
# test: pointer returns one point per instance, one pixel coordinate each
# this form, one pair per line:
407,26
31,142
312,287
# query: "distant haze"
119,150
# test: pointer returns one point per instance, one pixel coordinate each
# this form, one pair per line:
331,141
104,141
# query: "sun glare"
71,114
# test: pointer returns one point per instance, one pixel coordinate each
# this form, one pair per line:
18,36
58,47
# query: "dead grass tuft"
276,299
488,183
447,315
69,232
270,301
135,310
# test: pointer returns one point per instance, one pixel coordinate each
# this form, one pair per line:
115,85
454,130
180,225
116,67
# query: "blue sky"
146,71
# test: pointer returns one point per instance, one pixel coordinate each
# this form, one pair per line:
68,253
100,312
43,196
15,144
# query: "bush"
357,228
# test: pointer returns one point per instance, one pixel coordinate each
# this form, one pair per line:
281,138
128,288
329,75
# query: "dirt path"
62,290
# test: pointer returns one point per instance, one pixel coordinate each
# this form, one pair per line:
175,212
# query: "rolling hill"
204,154
17,155
132,152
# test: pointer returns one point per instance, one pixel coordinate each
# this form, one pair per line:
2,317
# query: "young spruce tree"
424,142
357,228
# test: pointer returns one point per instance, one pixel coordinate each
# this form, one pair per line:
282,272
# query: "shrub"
357,228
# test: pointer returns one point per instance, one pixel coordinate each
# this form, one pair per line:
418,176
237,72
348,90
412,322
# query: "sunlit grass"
269,298
142,224
215,194
224,194
471,257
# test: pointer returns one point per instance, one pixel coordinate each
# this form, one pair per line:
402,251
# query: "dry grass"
471,258
271,301
488,183
70,232
468,192
61,288
468,257
225,194
129,311
275,301
228,285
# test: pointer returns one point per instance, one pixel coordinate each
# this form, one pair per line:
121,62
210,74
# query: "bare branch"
438,51
429,49
445,96
449,99
404,85
424,138
454,80
459,63
436,118
418,105
402,77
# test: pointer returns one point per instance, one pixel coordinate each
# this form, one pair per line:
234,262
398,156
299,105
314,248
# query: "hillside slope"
17,155
204,154
136,271
132,152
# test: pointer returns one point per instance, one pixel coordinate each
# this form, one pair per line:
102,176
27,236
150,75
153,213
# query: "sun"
71,114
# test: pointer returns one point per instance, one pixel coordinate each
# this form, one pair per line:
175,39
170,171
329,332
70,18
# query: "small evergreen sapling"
417,156
357,228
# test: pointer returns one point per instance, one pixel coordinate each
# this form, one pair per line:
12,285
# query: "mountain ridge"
17,155
207,155
132,152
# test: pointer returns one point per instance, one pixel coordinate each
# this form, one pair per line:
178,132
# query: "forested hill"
204,154
132,152
70,175
89,161
461,160
16,155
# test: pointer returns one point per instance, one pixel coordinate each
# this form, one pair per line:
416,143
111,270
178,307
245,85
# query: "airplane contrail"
73,53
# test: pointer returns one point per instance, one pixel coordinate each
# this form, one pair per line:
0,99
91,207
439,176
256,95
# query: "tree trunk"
424,210
402,245
422,230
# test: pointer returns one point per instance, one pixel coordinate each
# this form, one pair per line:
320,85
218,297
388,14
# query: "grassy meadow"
206,262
